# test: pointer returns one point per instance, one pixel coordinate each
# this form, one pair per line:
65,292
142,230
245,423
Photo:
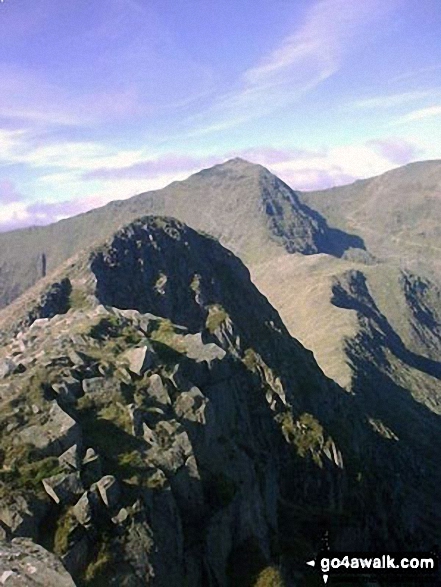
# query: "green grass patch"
270,577
250,359
78,299
216,316
305,433
99,570
66,522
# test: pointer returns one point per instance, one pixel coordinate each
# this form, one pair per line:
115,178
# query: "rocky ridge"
251,211
160,426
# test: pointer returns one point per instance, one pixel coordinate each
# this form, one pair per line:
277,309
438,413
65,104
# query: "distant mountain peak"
243,205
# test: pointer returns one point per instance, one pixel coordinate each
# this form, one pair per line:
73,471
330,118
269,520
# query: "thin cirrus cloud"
303,60
420,114
393,100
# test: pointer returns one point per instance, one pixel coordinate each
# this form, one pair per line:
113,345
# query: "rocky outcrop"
26,564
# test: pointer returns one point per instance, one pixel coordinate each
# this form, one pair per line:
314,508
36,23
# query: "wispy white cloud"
331,30
11,143
393,100
415,73
420,114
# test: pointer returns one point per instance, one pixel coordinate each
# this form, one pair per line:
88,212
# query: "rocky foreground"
159,426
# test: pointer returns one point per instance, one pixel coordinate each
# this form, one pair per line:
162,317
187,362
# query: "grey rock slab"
83,509
100,385
26,564
149,435
199,351
139,359
158,391
57,434
70,459
120,517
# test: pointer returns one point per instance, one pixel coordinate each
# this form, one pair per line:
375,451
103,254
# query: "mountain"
365,465
251,212
395,213
161,427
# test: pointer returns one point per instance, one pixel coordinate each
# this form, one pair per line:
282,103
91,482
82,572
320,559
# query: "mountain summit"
250,210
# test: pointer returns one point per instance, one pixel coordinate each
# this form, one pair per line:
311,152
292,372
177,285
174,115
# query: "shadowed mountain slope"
248,209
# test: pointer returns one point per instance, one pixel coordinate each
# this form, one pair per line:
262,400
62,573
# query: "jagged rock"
158,391
214,447
69,390
63,488
76,359
333,454
149,435
199,351
173,447
39,323
70,459
140,359
109,490
55,435
21,516
26,564
192,405
83,509
100,386
93,385
123,375
120,517
91,469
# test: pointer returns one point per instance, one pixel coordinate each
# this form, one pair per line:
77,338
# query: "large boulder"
55,435
26,564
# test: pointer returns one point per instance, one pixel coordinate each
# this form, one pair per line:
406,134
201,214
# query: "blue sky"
102,99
